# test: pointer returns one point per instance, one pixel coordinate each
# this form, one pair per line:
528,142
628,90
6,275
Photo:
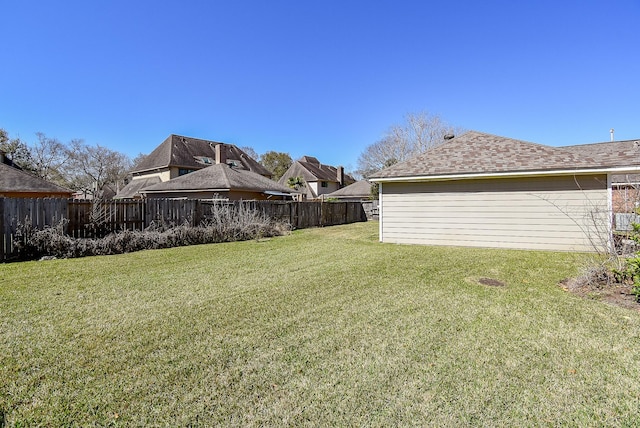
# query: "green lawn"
321,327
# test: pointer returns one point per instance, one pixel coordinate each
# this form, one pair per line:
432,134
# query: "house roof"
18,181
359,189
611,154
479,153
310,169
132,189
220,177
193,153
625,179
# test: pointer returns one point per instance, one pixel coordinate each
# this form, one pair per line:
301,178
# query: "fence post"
3,238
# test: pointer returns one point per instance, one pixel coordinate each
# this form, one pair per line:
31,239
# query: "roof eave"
183,190
510,174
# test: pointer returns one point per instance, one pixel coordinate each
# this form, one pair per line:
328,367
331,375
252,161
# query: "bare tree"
419,132
49,156
251,152
137,161
92,168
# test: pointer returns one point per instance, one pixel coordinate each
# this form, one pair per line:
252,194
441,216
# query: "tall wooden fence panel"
88,219
39,213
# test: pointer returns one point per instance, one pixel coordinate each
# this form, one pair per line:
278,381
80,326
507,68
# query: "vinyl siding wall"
550,213
317,188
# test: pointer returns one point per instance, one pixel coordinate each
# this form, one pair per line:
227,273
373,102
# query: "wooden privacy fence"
88,219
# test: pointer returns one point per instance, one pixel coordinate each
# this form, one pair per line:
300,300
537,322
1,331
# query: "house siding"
547,213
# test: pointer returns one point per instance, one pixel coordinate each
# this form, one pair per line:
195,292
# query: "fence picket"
113,216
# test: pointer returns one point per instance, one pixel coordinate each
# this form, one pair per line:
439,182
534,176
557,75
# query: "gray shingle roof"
625,179
311,169
477,152
15,180
610,154
187,152
132,189
219,177
359,189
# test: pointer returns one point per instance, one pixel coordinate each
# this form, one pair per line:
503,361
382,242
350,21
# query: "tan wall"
526,213
317,188
165,175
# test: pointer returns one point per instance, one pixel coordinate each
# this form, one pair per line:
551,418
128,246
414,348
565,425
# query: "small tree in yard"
295,182
620,264
629,273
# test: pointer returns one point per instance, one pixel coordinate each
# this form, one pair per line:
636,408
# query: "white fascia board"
417,178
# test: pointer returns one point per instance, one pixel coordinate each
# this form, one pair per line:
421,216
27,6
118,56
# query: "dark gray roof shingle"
16,180
219,177
311,169
132,189
359,189
477,152
187,152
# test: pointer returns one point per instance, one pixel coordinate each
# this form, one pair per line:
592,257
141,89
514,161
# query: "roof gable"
310,169
132,189
359,189
476,152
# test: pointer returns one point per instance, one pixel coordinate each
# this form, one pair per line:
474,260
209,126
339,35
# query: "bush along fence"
89,219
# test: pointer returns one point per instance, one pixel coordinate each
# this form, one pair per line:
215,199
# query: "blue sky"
318,78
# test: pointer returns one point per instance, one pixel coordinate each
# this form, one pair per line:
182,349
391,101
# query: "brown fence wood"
88,219
4,234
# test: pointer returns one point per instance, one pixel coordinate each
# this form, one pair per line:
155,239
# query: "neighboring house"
220,181
15,183
625,193
178,155
318,179
625,187
482,190
358,191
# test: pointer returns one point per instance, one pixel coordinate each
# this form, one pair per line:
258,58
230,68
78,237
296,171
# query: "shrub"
226,223
630,272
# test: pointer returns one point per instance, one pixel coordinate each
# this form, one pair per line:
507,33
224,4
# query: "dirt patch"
613,294
491,282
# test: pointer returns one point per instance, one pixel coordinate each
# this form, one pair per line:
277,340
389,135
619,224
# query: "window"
184,171
324,184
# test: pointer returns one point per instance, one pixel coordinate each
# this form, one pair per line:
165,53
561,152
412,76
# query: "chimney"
340,175
2,156
221,154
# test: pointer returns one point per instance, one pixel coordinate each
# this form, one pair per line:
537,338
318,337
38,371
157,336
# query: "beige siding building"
318,179
480,190
178,156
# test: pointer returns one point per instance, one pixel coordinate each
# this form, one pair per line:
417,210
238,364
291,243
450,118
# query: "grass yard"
321,327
